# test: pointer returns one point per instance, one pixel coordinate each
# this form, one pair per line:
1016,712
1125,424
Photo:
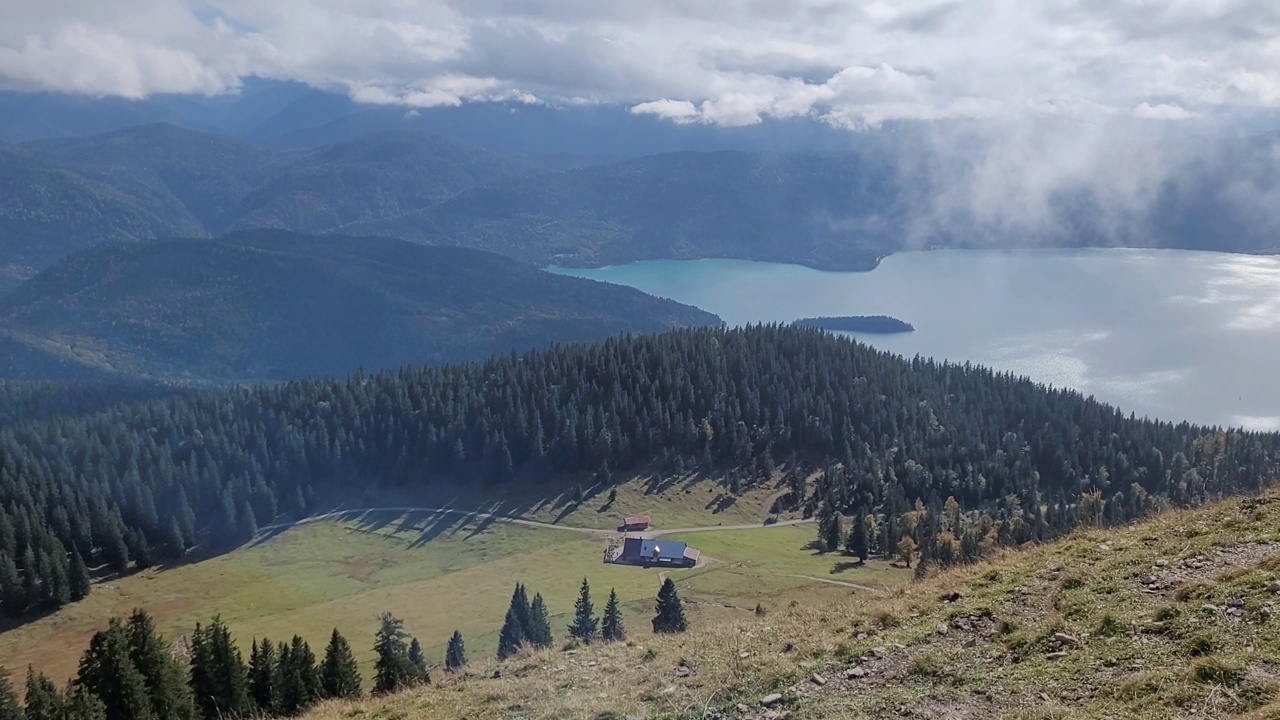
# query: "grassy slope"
1175,648
442,573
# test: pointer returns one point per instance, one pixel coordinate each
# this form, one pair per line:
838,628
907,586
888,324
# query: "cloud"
727,62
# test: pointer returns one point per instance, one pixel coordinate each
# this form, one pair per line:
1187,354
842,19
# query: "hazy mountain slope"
273,305
376,176
198,176
47,213
834,211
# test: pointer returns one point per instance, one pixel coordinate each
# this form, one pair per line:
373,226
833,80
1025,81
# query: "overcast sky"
731,62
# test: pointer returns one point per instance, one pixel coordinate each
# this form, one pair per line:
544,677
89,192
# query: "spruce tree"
511,637
539,631
44,700
13,598
83,705
10,708
165,678
585,624
108,672
670,617
835,533
520,603
417,658
264,676
859,537
393,669
455,656
219,678
611,627
339,673
299,681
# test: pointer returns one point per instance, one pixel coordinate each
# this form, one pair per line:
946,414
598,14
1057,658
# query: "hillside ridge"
1168,618
273,305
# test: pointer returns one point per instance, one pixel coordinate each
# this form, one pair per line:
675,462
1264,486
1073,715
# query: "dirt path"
355,513
841,583
715,528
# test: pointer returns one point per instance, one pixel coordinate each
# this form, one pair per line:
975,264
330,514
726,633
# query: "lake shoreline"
1147,330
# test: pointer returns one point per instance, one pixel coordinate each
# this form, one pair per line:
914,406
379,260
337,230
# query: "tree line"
527,624
888,439
130,672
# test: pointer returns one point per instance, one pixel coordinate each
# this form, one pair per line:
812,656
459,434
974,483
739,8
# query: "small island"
878,324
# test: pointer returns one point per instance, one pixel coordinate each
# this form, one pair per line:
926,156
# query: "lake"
1171,334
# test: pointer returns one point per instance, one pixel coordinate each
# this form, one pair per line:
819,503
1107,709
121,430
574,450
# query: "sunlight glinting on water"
1152,331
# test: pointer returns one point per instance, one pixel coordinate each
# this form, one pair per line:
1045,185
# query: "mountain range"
835,210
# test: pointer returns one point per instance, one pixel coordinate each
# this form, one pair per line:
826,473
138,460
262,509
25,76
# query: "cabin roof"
662,549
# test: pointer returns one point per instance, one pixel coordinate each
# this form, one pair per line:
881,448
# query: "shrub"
1197,645
1191,590
1109,626
1216,671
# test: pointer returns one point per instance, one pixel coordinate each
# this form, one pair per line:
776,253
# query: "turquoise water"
1170,334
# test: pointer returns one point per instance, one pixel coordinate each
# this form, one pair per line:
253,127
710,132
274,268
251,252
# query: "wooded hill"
272,305
1022,461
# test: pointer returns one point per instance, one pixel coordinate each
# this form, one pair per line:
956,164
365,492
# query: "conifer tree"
108,672
339,673
859,537
455,656
611,627
264,674
299,681
10,708
116,553
83,705
219,678
539,631
511,637
520,603
43,699
670,617
13,598
585,624
417,658
393,669
165,678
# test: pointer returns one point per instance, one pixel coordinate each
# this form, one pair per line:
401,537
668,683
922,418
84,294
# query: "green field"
437,573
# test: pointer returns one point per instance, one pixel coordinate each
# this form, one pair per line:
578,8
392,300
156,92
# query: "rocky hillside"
1168,619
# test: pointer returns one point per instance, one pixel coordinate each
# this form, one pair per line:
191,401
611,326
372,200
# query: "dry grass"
1131,652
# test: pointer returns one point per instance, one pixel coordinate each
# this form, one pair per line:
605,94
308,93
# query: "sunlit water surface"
1170,334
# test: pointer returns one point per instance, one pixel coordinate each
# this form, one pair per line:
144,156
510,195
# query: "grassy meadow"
444,572
1171,618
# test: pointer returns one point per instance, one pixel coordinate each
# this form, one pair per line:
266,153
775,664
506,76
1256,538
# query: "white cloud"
681,111
730,62
1163,111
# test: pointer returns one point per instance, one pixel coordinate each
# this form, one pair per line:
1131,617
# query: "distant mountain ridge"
835,211
271,305
159,180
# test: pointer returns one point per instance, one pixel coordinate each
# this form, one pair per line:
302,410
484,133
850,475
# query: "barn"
635,523
653,553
